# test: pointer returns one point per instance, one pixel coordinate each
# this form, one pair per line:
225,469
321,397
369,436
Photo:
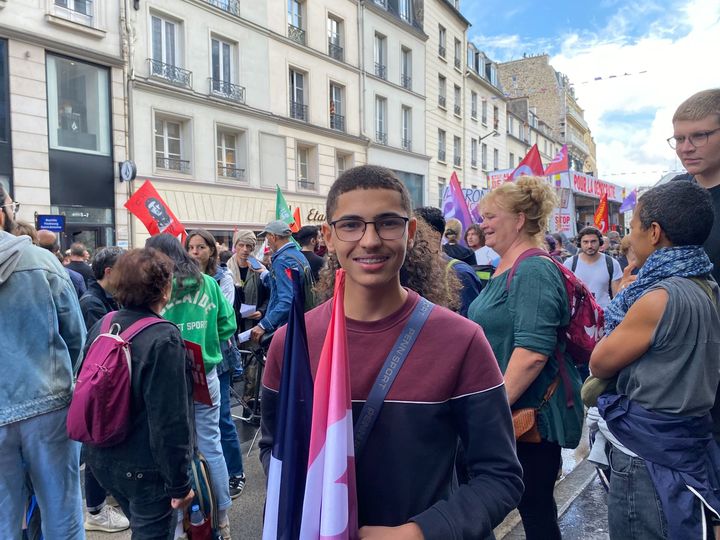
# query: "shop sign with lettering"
589,185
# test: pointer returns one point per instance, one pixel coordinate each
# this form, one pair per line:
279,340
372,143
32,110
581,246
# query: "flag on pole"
291,443
454,205
602,216
629,202
330,506
147,205
282,209
295,226
560,163
531,165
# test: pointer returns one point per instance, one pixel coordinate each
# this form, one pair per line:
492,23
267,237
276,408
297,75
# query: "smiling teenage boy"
448,389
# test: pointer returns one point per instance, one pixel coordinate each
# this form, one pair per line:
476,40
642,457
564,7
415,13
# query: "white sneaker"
108,520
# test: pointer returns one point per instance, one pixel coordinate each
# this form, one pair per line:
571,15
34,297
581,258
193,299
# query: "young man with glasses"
696,140
449,388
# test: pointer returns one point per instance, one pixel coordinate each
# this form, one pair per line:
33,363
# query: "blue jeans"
634,508
228,431
207,431
40,446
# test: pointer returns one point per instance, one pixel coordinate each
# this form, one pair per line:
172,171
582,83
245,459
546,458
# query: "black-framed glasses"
15,206
387,228
696,139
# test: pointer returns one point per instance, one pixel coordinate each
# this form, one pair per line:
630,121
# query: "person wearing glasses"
450,387
696,140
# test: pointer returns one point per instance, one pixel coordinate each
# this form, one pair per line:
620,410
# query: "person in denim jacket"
42,333
285,255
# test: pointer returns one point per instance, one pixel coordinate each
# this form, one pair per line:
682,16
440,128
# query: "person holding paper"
249,290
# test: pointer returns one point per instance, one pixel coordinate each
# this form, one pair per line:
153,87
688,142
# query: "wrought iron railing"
335,50
173,164
406,81
304,183
441,155
457,110
230,6
337,121
406,144
381,137
442,101
230,171
457,160
381,70
473,113
473,162
172,74
298,110
457,62
441,51
227,90
296,34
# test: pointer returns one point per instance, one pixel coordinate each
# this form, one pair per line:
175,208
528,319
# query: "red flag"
295,227
602,216
531,165
560,163
147,205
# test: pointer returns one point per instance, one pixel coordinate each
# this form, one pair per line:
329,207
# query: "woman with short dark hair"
147,473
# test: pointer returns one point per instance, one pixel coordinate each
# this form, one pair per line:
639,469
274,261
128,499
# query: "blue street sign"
51,223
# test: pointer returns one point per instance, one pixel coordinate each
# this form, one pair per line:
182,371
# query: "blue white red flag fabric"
560,163
630,202
291,443
455,206
330,507
531,165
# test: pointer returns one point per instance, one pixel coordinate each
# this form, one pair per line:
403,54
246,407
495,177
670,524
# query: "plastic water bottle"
199,526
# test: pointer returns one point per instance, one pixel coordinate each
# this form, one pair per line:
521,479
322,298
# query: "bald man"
48,240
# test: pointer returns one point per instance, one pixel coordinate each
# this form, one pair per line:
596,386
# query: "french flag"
289,458
330,507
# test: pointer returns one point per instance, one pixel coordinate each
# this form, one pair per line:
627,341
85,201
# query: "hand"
256,333
184,502
255,316
409,531
260,270
627,278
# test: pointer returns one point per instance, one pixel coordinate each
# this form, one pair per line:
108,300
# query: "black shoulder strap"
609,264
386,375
574,263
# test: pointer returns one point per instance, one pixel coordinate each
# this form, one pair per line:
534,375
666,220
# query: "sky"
631,64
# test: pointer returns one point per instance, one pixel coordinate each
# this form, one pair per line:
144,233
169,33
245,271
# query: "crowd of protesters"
443,460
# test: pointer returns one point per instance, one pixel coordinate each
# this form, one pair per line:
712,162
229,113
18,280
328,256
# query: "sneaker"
237,484
107,520
224,530
111,501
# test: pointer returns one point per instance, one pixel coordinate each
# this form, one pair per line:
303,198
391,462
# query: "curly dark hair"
683,210
424,271
140,277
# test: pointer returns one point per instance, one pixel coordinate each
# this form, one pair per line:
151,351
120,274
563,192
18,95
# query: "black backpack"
307,281
608,263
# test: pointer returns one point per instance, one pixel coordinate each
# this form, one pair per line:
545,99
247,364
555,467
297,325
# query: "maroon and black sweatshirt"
450,388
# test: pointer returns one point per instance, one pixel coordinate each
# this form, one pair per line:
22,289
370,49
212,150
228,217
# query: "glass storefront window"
78,106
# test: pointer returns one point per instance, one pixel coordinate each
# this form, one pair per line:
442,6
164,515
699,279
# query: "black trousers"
540,463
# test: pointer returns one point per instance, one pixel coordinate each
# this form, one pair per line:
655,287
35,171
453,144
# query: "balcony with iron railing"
457,63
304,183
441,51
229,6
172,74
298,111
381,70
473,113
406,81
402,13
441,155
457,161
227,90
457,110
173,164
381,137
578,143
296,34
473,162
335,50
442,101
337,121
406,144
230,171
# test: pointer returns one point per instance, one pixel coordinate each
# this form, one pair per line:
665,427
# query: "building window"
496,159
405,9
511,160
406,68
484,110
78,106
406,117
381,120
457,152
380,52
510,125
79,11
458,54
305,176
442,99
496,118
441,145
473,105
483,156
335,41
342,162
298,109
442,182
229,162
296,30
337,107
442,41
169,145
473,152
165,61
223,71
458,99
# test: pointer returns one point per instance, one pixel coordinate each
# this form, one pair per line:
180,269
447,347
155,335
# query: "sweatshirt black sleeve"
166,395
485,426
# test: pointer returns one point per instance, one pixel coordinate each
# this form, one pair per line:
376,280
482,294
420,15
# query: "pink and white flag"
330,504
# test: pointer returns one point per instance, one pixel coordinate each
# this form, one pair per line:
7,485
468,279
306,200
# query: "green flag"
282,210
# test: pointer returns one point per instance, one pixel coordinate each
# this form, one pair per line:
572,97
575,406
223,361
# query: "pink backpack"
99,412
587,321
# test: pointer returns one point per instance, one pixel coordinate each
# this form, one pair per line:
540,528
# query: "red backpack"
587,321
99,412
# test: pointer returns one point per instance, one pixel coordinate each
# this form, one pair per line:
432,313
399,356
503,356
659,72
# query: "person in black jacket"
148,473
